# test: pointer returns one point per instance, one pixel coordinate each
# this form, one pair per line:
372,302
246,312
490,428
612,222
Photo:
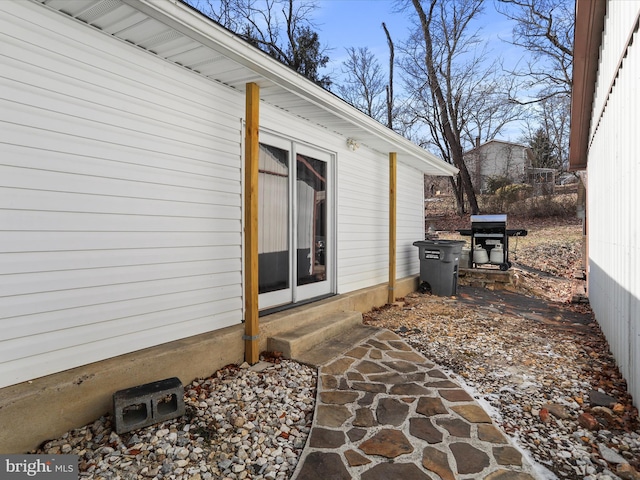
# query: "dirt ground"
548,259
535,355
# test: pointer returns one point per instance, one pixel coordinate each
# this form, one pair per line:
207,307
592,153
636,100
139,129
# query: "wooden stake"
252,148
392,225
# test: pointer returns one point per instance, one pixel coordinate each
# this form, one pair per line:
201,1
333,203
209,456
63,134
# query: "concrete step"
323,353
296,342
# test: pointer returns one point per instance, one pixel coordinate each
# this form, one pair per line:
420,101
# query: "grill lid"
499,218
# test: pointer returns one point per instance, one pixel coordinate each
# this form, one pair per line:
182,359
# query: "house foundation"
45,408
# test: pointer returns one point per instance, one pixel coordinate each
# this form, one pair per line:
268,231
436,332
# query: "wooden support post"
252,148
392,226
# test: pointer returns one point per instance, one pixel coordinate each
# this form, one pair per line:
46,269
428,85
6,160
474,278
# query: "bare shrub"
551,206
517,200
505,198
496,183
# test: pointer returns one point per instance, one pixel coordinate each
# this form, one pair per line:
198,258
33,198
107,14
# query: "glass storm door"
294,224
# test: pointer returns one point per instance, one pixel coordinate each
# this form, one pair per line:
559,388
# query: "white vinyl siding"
613,199
496,159
409,220
120,197
362,212
363,220
619,22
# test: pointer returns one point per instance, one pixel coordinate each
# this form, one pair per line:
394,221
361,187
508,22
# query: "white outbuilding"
164,186
604,146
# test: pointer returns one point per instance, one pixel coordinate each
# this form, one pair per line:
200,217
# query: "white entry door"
295,251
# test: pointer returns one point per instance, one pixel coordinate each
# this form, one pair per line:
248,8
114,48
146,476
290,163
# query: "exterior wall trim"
588,31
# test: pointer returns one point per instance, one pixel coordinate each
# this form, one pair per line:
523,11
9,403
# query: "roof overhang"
503,142
587,38
182,35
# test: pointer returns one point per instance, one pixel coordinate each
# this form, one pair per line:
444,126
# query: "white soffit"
180,34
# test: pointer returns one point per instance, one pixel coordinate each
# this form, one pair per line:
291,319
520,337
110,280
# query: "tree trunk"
458,194
390,86
453,140
465,181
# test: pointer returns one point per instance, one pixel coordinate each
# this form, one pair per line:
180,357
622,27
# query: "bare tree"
487,109
550,119
281,28
390,84
556,112
447,74
364,84
544,28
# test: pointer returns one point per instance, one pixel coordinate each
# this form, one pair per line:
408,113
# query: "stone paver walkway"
385,412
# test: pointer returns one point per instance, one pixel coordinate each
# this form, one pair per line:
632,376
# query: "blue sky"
358,23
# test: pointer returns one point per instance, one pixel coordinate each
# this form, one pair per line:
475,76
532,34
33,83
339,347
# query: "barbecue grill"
490,240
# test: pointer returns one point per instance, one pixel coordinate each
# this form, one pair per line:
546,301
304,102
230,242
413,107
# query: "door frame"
294,293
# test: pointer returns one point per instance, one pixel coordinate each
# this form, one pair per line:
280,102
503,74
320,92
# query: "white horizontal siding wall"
120,197
363,219
619,22
500,159
362,198
410,220
613,199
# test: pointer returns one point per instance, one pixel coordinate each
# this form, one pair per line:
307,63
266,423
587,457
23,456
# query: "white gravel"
239,423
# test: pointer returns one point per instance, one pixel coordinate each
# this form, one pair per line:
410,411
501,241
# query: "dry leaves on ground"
534,357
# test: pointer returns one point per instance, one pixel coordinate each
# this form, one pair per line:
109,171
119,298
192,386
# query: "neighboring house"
160,181
604,144
495,159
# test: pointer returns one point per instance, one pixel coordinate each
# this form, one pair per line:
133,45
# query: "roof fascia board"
195,25
504,142
587,39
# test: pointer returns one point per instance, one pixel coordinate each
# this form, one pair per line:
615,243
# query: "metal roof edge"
587,38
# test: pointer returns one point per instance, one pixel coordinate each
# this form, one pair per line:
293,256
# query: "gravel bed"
549,382
551,385
239,423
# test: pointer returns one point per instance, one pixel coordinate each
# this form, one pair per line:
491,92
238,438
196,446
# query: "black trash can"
439,266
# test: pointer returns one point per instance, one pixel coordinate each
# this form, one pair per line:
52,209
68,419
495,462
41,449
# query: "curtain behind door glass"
273,219
311,187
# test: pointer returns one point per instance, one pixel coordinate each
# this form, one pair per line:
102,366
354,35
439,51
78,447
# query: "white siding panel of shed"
120,197
363,222
362,199
619,21
410,220
613,199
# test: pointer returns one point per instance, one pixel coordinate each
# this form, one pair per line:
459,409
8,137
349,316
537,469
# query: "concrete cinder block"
144,405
